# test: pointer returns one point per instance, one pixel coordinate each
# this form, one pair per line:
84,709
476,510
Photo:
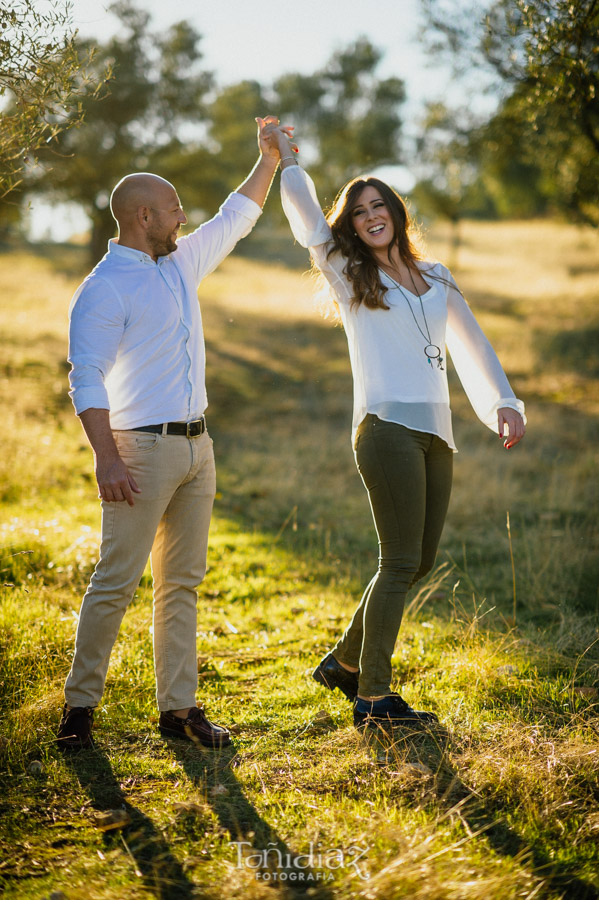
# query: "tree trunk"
103,228
455,242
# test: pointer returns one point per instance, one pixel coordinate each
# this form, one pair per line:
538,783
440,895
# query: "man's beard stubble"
160,244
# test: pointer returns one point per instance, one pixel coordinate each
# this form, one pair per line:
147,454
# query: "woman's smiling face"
371,219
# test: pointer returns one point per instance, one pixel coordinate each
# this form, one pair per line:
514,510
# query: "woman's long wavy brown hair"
361,267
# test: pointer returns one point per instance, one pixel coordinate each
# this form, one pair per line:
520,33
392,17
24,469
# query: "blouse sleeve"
310,228
476,363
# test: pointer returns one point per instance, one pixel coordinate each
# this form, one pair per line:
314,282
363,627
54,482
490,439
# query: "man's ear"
143,215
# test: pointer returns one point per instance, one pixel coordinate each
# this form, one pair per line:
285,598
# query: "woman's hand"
275,140
510,425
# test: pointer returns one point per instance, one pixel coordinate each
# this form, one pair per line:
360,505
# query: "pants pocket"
135,441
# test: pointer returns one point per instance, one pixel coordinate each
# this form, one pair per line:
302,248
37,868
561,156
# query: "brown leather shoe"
196,727
75,729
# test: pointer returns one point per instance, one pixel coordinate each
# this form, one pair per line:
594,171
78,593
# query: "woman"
398,311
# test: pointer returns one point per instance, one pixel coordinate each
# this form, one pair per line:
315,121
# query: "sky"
262,39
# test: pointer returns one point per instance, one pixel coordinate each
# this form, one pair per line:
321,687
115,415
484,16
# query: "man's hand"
511,426
115,482
275,140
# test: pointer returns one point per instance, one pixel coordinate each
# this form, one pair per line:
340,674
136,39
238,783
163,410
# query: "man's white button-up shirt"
136,343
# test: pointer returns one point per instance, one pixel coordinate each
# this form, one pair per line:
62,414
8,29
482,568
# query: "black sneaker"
331,675
75,729
196,727
391,709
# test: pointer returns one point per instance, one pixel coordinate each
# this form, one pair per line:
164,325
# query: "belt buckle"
198,427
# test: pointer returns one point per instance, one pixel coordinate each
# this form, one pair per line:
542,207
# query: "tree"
447,167
347,121
209,168
232,137
348,116
546,55
43,81
156,88
548,168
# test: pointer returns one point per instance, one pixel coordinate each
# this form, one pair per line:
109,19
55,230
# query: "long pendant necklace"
431,351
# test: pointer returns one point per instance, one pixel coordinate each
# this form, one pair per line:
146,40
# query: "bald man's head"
148,211
140,189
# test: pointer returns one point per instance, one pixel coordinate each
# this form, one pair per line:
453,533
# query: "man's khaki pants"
170,520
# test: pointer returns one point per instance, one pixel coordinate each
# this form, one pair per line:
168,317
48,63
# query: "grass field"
502,640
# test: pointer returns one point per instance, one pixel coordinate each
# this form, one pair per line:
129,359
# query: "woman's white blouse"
392,376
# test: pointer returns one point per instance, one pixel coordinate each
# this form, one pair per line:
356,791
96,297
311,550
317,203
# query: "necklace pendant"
433,352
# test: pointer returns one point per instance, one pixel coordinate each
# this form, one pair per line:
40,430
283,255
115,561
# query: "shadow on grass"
280,403
572,350
162,873
275,363
427,753
255,845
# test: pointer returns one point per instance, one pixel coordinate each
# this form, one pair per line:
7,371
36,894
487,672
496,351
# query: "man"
137,382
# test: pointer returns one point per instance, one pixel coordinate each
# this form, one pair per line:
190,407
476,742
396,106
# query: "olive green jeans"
408,478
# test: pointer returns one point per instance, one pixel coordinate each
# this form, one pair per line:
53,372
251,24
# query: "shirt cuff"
89,398
509,403
242,204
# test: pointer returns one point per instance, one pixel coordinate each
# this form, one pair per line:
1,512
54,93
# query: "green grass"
503,805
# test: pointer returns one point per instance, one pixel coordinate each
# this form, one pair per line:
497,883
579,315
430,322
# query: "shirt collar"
114,248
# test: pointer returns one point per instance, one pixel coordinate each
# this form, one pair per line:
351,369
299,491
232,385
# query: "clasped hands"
275,140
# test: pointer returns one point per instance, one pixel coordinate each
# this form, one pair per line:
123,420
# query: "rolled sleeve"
244,205
87,389
96,325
